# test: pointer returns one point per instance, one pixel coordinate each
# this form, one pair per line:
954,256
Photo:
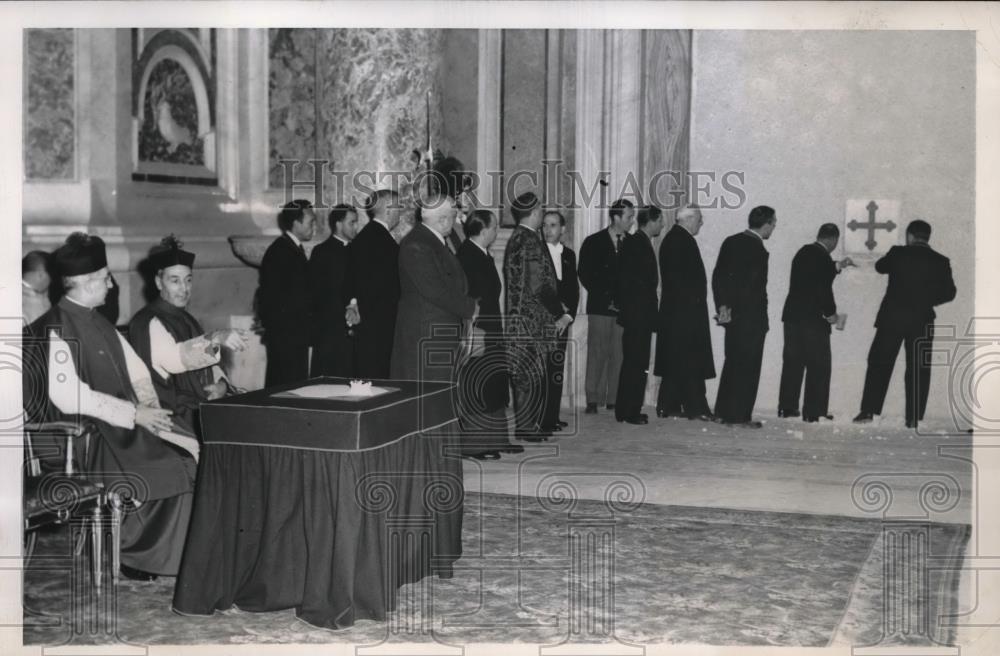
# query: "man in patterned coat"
535,315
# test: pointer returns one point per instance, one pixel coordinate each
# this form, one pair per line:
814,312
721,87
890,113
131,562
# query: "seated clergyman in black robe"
92,374
181,357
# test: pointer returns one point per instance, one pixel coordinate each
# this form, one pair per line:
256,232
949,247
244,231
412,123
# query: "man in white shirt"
92,373
183,359
564,260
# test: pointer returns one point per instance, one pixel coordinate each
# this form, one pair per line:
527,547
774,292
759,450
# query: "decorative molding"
56,202
489,126
196,54
264,201
589,130
126,249
227,105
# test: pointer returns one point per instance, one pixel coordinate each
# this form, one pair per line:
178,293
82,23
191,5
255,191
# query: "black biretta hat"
80,255
170,253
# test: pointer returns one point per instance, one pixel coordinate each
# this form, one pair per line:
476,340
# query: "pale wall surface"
820,117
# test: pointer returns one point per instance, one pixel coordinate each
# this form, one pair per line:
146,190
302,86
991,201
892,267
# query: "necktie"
618,245
302,250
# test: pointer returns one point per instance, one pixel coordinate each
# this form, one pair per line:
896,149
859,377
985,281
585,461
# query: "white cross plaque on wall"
871,226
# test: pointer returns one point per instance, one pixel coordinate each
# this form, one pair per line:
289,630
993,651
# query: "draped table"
326,506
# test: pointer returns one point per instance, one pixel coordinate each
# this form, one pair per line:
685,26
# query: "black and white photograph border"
678,536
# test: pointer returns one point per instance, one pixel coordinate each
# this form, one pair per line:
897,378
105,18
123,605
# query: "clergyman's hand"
562,323
153,419
231,338
724,316
215,390
844,263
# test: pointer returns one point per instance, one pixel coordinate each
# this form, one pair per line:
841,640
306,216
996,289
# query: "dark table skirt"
332,535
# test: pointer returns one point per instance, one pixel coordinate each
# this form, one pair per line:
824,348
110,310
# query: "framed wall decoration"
174,137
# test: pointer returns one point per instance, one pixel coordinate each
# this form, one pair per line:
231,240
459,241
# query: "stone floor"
787,466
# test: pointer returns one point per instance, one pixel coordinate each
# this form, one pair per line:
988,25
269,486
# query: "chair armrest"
70,427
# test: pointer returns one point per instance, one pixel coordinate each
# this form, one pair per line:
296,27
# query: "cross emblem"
871,225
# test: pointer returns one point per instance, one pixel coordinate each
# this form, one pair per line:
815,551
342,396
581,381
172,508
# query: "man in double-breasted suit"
333,346
535,315
284,302
373,282
564,261
637,281
683,341
434,301
739,284
919,279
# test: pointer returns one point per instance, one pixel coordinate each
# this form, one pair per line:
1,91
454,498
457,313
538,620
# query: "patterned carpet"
539,571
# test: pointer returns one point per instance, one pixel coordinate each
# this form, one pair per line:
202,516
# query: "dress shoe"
532,435
911,424
663,414
511,448
136,574
552,428
812,420
788,413
864,418
638,420
703,417
744,424
611,406
563,424
591,409
482,455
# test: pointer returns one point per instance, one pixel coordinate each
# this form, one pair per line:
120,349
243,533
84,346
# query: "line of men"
141,395
370,307
621,276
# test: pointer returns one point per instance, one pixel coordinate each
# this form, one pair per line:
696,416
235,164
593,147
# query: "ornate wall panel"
50,105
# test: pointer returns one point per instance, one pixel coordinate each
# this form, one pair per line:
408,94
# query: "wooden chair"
58,497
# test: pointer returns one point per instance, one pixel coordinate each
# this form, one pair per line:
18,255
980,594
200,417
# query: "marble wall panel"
374,112
292,101
49,105
666,114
